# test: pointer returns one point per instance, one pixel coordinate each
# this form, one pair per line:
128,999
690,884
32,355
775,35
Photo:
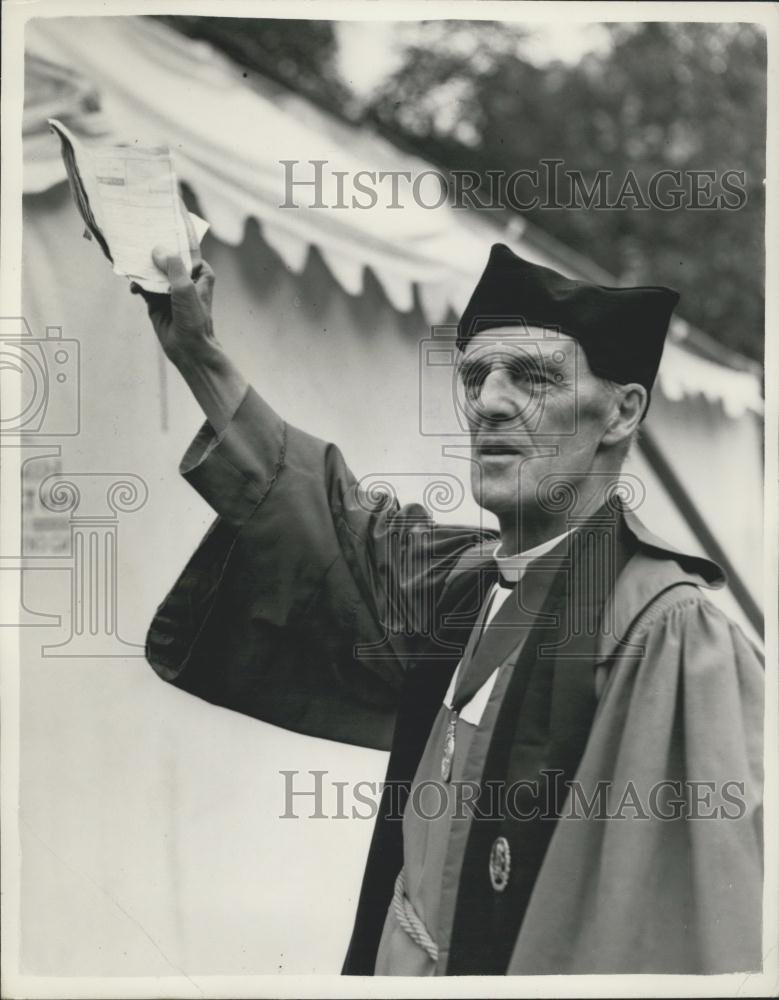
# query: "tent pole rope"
676,490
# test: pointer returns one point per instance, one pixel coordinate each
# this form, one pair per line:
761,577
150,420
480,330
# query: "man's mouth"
489,449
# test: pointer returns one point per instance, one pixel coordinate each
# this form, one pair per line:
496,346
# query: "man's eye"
527,375
473,387
473,380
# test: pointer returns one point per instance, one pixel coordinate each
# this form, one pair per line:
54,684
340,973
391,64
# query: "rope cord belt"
409,920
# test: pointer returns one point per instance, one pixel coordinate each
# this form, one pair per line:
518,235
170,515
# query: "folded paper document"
129,200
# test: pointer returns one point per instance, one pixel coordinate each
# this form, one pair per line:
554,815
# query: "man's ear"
629,403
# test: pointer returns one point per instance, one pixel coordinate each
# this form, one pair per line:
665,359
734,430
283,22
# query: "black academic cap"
622,330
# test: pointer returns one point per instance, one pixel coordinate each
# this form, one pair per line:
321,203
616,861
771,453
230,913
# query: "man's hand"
185,329
182,320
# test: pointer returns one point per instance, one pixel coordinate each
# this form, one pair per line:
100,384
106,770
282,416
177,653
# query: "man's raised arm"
185,329
300,573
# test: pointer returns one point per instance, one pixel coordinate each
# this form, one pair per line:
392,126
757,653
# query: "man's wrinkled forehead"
525,342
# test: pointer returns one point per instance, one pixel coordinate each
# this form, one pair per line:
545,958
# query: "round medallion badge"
500,864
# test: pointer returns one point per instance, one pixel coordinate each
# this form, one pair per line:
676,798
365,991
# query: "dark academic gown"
314,606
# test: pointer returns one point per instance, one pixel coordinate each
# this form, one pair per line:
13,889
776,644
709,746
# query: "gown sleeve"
304,603
665,874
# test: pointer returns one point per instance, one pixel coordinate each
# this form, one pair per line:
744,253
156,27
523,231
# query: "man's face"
536,415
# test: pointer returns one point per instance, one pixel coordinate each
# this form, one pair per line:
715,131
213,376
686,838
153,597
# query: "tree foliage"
689,97
300,55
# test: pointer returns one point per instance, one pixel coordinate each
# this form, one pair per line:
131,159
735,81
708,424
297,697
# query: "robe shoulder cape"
314,605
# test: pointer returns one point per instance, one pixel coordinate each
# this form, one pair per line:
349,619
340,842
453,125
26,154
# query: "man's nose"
497,397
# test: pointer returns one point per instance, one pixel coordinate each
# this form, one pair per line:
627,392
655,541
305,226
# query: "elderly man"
574,727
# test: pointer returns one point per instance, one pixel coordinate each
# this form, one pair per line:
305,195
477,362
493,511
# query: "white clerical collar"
512,568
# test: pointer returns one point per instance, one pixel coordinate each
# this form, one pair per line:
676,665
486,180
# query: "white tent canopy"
217,134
